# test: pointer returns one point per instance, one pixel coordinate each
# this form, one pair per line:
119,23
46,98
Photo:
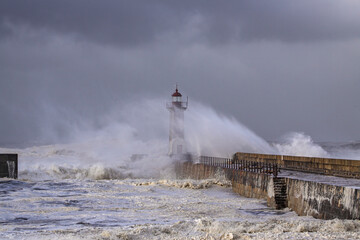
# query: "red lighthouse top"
176,93
176,101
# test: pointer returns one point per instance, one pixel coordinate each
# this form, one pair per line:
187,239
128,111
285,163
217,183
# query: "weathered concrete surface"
8,165
247,184
250,184
196,171
322,200
305,197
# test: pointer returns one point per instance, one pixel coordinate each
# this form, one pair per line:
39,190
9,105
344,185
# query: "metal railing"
242,165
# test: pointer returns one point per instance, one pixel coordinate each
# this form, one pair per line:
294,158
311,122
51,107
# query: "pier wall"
247,184
309,198
327,166
323,201
197,171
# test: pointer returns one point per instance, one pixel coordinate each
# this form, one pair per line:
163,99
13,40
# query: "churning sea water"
150,209
64,193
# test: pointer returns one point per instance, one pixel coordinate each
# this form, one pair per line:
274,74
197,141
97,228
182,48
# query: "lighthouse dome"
176,97
176,93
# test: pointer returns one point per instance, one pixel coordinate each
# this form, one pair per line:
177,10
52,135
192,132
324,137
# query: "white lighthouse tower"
176,133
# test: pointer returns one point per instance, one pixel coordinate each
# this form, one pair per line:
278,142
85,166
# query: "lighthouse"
176,132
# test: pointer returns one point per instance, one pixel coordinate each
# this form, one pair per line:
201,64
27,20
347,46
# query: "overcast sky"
276,66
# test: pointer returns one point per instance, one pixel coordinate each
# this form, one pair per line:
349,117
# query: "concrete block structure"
309,186
8,165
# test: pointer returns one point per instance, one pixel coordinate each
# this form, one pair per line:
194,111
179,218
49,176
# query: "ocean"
62,193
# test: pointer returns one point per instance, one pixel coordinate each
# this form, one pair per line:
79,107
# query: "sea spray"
211,133
104,150
11,168
299,144
345,150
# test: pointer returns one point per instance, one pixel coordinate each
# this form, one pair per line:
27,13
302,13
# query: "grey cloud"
270,64
122,22
140,22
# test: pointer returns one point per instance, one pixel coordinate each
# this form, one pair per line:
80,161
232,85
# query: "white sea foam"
187,183
151,209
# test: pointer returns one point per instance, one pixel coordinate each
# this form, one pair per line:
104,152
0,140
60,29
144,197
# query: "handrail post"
267,170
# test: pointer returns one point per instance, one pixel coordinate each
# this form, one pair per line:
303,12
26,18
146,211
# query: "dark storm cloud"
276,66
139,22
124,22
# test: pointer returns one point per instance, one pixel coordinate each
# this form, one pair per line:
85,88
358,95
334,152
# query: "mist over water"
213,134
300,144
101,148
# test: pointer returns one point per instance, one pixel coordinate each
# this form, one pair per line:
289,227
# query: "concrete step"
280,193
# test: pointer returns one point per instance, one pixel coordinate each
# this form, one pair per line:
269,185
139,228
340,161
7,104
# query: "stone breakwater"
323,201
307,198
326,166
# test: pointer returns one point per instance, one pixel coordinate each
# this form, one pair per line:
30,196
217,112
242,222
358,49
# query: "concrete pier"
324,197
8,165
318,195
326,166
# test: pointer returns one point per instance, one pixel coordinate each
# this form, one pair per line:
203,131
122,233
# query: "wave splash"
142,128
104,150
299,144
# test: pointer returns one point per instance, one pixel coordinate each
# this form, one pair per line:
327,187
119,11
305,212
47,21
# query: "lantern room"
176,97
